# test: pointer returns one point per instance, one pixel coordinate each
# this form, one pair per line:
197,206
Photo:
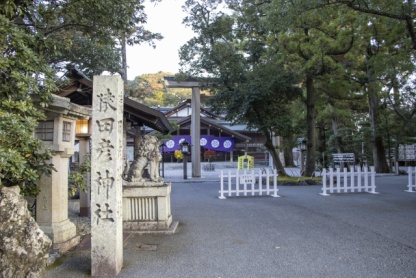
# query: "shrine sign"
343,157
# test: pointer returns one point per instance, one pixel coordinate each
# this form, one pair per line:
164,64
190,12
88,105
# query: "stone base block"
171,230
147,208
67,245
63,235
147,225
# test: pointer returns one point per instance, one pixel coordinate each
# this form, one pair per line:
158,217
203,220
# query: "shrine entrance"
170,82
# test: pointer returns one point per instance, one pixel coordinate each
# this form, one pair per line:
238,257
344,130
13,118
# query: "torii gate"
170,82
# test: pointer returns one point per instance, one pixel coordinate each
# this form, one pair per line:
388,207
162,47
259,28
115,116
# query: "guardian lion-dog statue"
147,154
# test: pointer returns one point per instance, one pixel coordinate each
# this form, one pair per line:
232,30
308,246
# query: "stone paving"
301,234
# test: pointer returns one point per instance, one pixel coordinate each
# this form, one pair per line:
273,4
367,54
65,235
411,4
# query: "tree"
310,42
149,89
250,85
37,40
399,12
384,34
22,160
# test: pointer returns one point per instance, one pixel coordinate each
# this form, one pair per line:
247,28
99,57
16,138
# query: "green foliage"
77,178
251,85
37,40
22,158
149,89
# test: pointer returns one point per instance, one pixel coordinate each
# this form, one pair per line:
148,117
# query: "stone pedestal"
52,207
147,208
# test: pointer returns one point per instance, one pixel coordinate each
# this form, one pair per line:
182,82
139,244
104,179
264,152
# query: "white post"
366,179
324,188
274,184
106,171
353,180
338,180
359,177
413,184
245,183
410,184
229,183
345,180
261,182
253,184
222,186
373,181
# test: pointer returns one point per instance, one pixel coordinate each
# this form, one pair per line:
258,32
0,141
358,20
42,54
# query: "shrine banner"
222,144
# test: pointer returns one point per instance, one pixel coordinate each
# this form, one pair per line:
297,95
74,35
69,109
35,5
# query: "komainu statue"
148,154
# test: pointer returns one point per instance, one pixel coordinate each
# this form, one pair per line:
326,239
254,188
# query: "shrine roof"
208,122
80,91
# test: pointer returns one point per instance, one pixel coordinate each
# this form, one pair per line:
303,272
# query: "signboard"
244,179
343,157
407,152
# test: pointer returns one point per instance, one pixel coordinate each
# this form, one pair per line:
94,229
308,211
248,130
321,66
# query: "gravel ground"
83,223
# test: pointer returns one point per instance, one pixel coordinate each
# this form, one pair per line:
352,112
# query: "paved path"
301,234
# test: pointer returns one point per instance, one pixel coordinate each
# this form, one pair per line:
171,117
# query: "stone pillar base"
146,208
63,235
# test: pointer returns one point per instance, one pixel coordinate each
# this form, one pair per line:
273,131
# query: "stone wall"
24,248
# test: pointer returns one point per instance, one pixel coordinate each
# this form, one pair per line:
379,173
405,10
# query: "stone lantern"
58,133
302,148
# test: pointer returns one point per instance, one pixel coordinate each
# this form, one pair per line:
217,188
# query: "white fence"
412,176
353,181
248,182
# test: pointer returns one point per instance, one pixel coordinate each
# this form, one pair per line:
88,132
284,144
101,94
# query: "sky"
164,18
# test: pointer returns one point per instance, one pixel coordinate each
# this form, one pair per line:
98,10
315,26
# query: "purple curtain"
222,144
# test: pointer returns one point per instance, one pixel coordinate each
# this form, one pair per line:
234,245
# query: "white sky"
164,18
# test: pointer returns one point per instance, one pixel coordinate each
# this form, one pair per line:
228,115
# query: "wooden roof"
205,121
80,91
187,103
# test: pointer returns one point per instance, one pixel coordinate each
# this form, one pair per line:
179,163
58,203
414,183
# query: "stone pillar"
84,197
106,172
52,201
196,133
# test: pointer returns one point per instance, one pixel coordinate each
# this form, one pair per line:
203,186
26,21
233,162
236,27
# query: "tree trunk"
310,122
396,156
275,156
379,154
338,139
287,151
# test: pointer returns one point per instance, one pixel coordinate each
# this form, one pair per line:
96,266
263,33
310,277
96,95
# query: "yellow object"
178,155
250,162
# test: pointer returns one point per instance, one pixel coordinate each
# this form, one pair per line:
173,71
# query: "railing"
248,182
411,185
353,181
